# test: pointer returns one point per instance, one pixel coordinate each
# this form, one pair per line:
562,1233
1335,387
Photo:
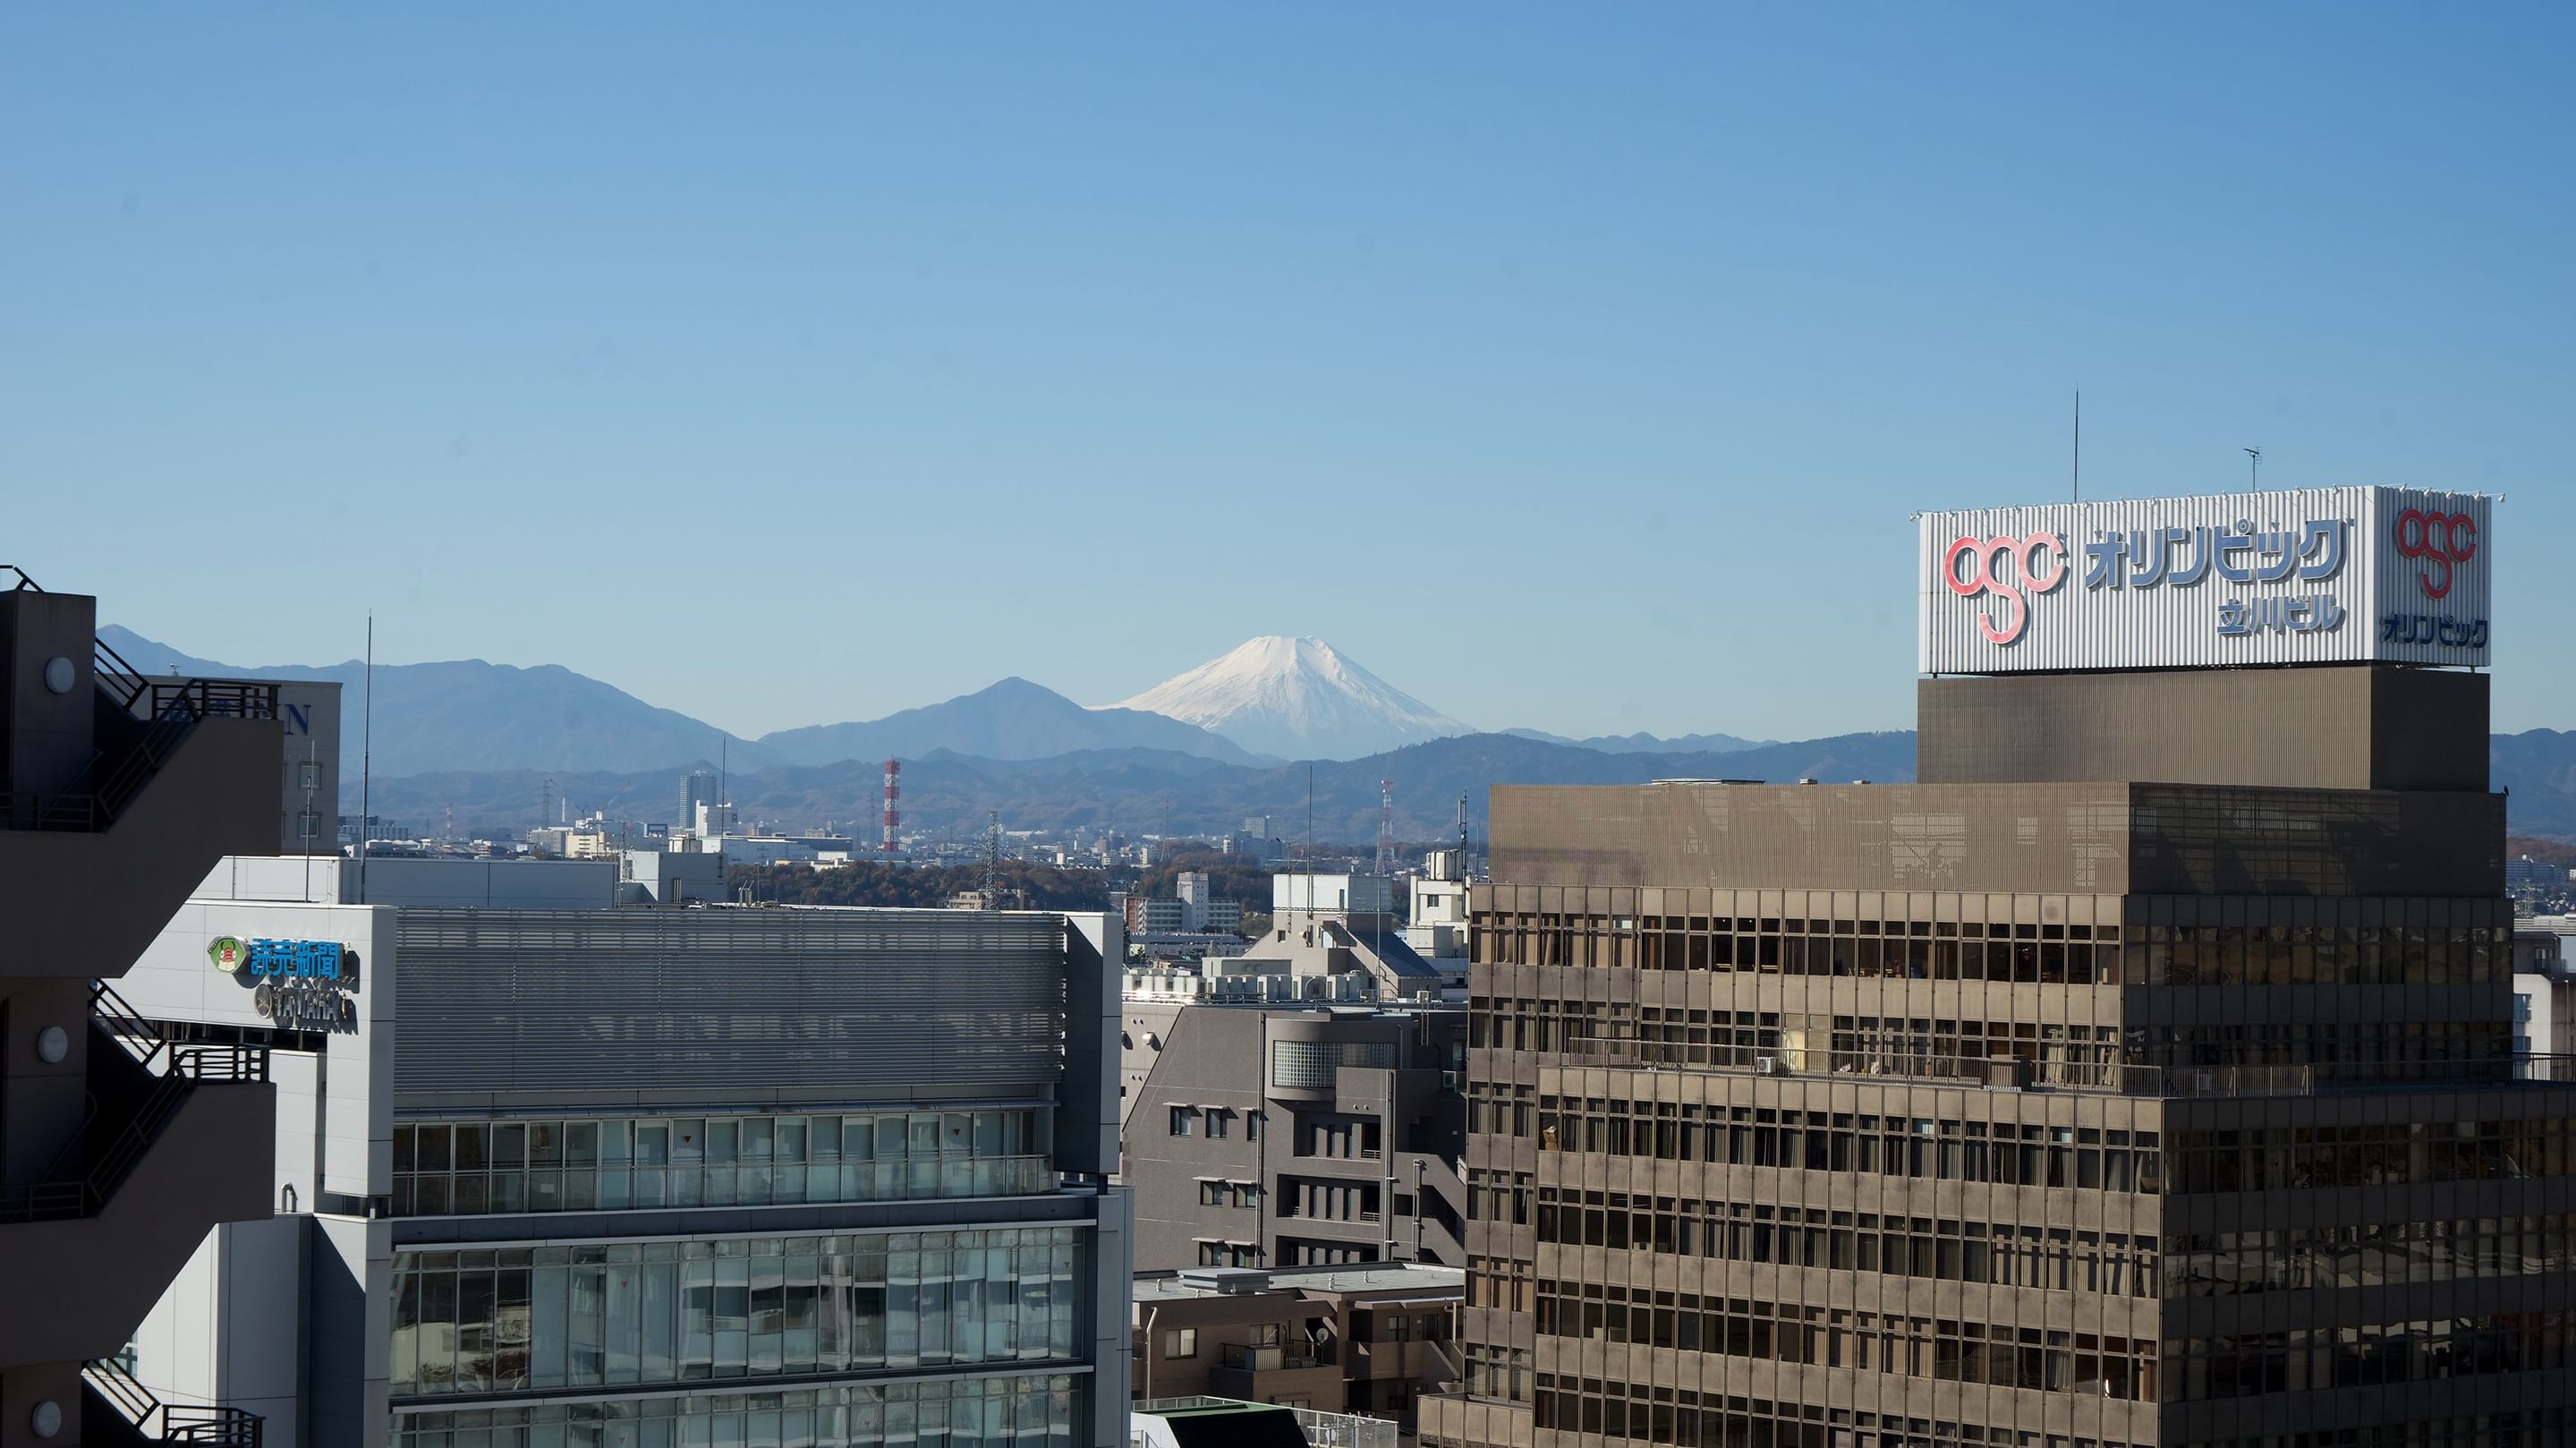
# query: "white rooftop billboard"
2309,576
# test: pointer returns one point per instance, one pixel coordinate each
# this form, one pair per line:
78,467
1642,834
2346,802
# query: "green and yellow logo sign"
228,953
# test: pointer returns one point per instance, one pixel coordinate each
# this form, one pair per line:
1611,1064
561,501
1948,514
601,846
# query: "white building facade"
571,1174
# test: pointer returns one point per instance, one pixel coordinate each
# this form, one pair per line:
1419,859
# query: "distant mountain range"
1151,791
482,735
1648,743
1013,719
1297,698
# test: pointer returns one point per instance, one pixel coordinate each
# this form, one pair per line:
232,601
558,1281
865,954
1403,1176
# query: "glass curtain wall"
645,1313
1024,1411
472,1168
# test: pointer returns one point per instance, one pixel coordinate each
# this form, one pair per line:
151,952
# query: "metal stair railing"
51,1196
159,1422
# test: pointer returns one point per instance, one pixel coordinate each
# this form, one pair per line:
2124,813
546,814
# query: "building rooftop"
1199,1282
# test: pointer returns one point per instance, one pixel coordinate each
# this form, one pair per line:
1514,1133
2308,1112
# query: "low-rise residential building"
1272,1135
1367,1340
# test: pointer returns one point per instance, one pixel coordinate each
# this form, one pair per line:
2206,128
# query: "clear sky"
1573,366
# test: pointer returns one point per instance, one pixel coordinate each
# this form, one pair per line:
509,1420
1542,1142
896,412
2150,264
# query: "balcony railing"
1268,1359
2109,1078
160,1422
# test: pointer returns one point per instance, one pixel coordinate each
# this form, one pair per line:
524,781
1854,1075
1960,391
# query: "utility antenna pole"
2079,445
2255,457
1386,827
366,758
993,860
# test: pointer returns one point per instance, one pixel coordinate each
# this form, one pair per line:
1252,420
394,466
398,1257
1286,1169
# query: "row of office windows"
615,1314
1930,1047
2026,1255
2355,1357
613,1164
2274,1158
2222,1264
1026,1411
1961,1352
1695,1420
2192,1265
2028,954
1918,1147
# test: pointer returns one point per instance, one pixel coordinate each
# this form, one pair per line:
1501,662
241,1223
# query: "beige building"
1369,1340
2026,1107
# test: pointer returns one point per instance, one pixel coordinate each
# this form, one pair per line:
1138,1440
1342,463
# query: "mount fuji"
1297,698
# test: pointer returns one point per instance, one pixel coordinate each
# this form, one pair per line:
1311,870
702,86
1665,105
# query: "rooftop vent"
1225,1281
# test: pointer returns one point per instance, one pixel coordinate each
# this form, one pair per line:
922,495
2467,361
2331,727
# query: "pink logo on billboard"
2008,568
2440,541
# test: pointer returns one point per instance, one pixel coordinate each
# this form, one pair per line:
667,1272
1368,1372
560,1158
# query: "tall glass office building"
660,1178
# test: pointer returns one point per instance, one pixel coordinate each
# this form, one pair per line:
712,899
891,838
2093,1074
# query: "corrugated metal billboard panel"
2307,576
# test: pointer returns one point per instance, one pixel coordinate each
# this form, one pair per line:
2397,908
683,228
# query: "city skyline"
445,320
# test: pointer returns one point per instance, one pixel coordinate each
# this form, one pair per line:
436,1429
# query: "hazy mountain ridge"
1643,743
1013,719
1148,791
471,715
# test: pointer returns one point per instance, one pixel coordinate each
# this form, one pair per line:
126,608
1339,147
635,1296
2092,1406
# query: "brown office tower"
119,1147
2142,1075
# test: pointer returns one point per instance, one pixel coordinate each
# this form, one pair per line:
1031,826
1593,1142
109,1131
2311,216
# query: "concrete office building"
1369,1340
555,1172
2032,1105
119,1147
1279,1136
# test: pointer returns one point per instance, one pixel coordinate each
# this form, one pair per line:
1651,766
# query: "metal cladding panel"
729,1004
2307,576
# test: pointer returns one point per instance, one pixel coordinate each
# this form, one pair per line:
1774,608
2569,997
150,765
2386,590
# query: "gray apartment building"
1293,1135
119,1147
552,1172
1369,1340
2142,1075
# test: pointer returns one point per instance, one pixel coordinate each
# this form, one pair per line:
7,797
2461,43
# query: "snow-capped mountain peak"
1298,698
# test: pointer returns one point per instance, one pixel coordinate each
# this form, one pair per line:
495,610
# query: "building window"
1182,1116
1181,1342
308,825
1252,1125
1211,1194
1216,1124
612,1314
1211,1254
627,1163
1247,1194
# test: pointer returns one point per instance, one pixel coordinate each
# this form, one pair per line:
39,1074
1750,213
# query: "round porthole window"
60,675
53,1043
1126,1042
46,1420
1153,1042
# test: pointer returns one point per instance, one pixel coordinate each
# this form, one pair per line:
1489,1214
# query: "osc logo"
2009,568
2439,541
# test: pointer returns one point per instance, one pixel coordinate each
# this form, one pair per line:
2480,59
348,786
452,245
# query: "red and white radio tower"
1386,827
893,816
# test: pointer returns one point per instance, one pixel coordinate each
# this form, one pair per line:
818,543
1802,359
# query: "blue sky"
1573,367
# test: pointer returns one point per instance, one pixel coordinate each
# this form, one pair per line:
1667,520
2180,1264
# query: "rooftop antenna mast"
367,758
1386,827
2254,456
993,859
2079,445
